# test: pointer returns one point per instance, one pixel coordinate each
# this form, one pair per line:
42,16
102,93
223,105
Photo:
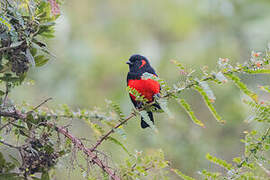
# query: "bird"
138,65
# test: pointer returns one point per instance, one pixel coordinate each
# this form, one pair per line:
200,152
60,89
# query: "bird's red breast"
148,88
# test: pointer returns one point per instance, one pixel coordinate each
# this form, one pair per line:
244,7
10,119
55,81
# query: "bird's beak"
128,62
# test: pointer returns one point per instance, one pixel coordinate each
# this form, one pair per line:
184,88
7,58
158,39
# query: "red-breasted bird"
138,65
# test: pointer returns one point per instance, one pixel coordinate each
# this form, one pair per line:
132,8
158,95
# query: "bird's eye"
143,63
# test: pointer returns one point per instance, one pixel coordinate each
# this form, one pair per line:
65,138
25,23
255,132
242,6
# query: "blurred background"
95,38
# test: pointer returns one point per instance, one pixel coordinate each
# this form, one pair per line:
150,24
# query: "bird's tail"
143,123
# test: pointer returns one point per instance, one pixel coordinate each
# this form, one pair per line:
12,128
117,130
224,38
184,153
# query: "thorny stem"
112,131
94,158
76,142
38,106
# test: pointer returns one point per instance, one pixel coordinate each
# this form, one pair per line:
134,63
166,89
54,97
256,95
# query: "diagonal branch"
94,158
76,142
112,131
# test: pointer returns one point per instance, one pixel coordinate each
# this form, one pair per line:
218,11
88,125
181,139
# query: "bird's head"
138,63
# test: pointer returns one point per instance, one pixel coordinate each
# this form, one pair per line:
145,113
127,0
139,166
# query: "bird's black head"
138,64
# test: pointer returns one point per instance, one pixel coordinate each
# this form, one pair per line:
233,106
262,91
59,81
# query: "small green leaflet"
5,23
115,141
164,106
257,71
30,58
191,114
147,120
208,103
135,93
219,162
116,108
242,87
207,90
180,174
211,175
220,77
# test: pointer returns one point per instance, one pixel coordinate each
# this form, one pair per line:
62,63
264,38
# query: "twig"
38,106
5,125
76,142
9,145
6,94
264,169
94,158
15,114
111,131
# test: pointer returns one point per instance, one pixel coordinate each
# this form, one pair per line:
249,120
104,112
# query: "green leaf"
257,71
180,174
121,132
96,128
45,176
2,93
116,108
163,103
220,77
163,84
10,176
191,114
146,118
208,103
41,60
5,23
210,175
242,87
207,90
30,58
178,64
219,162
136,94
115,141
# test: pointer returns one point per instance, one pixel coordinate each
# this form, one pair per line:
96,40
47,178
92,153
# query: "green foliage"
5,167
24,28
21,26
116,108
149,166
257,71
208,102
146,118
242,86
180,174
191,114
209,175
115,141
163,85
137,95
219,162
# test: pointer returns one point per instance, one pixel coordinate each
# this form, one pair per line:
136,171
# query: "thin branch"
5,125
76,142
94,158
264,169
9,145
38,106
6,94
15,114
111,131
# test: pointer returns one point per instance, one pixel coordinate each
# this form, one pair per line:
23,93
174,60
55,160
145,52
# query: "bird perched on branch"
138,65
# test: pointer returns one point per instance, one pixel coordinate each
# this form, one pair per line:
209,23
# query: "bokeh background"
95,38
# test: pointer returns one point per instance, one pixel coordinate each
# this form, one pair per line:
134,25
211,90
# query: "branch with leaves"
36,129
